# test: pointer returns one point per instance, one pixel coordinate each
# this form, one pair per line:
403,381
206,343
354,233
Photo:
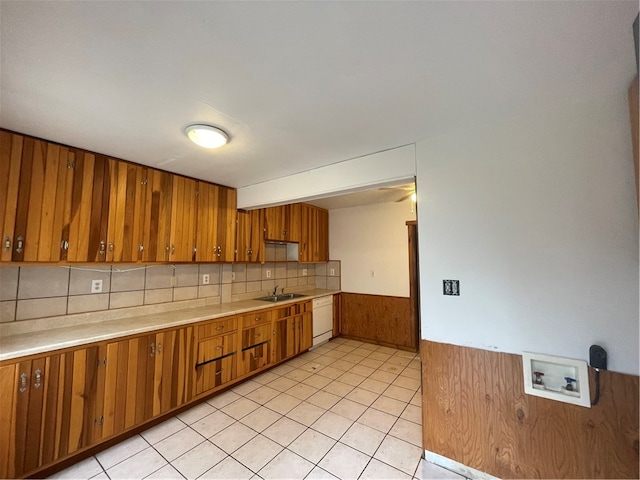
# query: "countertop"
72,331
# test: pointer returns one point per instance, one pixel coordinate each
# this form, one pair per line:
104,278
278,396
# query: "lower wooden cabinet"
56,405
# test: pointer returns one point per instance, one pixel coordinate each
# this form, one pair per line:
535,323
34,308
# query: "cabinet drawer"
216,347
256,335
217,327
256,318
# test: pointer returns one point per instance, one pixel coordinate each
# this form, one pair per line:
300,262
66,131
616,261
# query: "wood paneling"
379,319
475,412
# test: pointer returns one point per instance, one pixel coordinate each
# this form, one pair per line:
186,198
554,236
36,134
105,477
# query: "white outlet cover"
332,271
268,273
96,286
205,279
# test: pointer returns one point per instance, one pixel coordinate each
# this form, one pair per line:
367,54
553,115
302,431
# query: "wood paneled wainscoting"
380,319
475,412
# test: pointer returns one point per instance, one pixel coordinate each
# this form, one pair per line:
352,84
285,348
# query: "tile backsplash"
30,292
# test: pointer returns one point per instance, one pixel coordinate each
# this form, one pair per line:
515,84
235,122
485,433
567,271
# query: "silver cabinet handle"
111,246
19,244
159,348
64,245
7,243
23,383
38,378
153,348
219,373
102,247
140,248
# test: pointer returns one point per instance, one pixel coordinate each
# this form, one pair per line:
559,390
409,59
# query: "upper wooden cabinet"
55,202
216,225
250,236
314,236
64,204
283,223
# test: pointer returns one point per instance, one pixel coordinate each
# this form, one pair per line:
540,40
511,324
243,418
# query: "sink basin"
281,297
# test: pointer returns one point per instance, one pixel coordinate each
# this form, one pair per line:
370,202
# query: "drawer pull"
220,327
219,373
258,319
257,335
219,347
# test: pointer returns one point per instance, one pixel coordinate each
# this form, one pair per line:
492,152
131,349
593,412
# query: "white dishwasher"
322,319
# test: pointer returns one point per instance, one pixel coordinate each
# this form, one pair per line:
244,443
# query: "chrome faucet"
275,291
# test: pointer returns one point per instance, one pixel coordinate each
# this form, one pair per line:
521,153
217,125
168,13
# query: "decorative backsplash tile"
30,292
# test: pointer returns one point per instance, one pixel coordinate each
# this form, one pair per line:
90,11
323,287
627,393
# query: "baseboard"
456,467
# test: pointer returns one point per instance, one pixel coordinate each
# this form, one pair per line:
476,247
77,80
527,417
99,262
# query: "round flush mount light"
206,136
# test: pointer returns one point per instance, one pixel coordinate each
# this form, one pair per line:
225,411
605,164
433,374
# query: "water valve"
570,381
538,380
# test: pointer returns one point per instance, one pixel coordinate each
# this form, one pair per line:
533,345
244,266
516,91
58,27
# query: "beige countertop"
19,339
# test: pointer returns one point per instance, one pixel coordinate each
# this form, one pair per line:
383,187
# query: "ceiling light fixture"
206,136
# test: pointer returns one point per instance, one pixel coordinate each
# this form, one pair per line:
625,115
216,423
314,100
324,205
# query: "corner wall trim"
456,467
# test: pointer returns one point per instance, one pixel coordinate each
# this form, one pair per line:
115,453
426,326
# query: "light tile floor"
345,410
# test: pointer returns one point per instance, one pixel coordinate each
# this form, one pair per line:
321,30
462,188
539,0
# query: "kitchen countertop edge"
68,336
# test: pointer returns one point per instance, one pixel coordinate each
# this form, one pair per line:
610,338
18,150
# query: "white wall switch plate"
96,286
268,273
332,271
205,279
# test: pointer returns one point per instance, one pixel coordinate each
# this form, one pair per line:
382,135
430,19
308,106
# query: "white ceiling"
297,85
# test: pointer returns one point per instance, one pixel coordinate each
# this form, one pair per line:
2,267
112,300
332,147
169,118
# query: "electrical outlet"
205,279
332,271
233,276
451,287
96,286
268,273
304,272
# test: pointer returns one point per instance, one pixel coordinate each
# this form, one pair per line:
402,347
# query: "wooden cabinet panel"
216,362
35,184
158,213
255,358
321,253
283,223
183,220
254,335
314,237
283,339
216,224
250,236
126,211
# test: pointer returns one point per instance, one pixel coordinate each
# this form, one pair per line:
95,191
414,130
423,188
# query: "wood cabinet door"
308,233
216,362
157,217
283,339
304,332
293,214
126,211
52,409
183,220
243,236
275,223
250,236
226,223
321,253
35,183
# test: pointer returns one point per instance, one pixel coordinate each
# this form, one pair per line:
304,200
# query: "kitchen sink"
282,297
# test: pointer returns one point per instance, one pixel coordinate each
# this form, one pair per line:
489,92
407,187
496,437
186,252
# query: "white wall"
387,167
372,238
537,218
